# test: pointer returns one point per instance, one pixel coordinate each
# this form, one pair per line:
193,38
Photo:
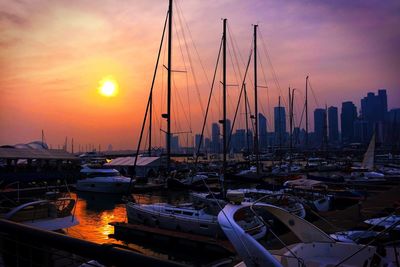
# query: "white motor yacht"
103,181
315,248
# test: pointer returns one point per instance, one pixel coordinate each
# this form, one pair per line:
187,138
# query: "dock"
125,231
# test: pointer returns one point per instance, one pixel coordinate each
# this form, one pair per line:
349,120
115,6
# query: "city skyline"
51,83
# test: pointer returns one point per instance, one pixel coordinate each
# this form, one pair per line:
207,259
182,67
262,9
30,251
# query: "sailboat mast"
256,102
280,124
169,87
290,125
224,96
247,120
150,121
306,111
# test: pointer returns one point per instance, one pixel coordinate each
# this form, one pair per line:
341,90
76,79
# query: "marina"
217,168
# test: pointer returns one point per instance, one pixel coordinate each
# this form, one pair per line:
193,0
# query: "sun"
108,87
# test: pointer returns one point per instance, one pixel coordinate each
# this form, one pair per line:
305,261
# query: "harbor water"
96,211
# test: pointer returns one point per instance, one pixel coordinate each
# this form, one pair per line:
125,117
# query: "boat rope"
314,212
274,76
393,226
208,105
268,113
299,260
313,93
182,18
240,96
148,103
382,221
223,212
189,120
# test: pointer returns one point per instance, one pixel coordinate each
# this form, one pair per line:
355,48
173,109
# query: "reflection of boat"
44,214
103,181
100,202
315,248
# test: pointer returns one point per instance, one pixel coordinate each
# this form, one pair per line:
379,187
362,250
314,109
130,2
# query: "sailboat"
366,173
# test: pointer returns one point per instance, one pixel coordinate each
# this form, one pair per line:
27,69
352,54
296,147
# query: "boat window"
204,226
101,174
187,213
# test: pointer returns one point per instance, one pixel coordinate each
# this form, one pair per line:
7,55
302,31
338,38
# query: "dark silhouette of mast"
169,87
291,102
150,120
306,103
247,120
224,96
280,125
256,102
290,125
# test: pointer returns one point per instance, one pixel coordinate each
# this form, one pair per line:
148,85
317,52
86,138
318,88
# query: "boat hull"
136,214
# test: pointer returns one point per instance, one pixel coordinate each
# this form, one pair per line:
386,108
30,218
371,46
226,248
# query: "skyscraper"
279,125
174,143
374,111
239,140
347,117
319,125
333,125
215,142
262,131
197,140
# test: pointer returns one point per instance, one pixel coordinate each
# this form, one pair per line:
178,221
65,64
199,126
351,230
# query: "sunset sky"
54,54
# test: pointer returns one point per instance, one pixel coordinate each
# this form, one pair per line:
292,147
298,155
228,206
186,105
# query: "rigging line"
392,227
208,104
258,201
173,107
223,212
267,88
240,96
235,74
303,110
247,101
313,93
163,94
194,44
235,55
274,76
190,61
180,101
186,69
235,47
149,100
157,122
